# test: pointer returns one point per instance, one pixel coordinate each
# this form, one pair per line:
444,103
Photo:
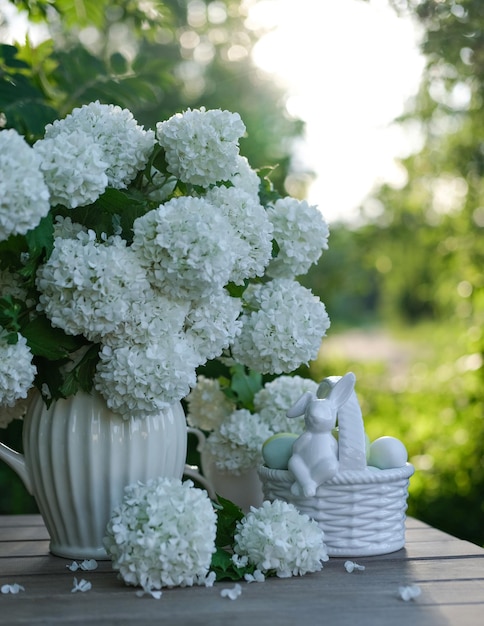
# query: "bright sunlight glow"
349,66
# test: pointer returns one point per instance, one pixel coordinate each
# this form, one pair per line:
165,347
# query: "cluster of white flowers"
188,246
86,287
208,406
73,168
162,535
94,146
161,294
301,234
236,445
284,330
142,379
201,146
250,221
235,437
16,370
276,397
277,538
24,196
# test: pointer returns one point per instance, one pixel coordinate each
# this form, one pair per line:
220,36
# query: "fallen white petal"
89,564
351,566
409,592
233,593
154,593
15,588
256,577
74,566
82,585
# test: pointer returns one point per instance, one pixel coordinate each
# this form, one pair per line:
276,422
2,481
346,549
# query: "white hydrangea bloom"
212,323
250,221
189,246
208,406
87,287
277,396
125,147
150,319
73,168
201,146
278,538
301,234
65,228
246,178
138,380
17,372
24,196
162,534
235,446
285,329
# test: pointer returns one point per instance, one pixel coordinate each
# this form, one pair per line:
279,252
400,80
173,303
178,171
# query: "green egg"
277,450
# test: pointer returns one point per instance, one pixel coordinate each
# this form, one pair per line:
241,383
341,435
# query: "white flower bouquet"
131,257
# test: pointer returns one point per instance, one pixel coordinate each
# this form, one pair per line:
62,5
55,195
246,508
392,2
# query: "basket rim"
346,477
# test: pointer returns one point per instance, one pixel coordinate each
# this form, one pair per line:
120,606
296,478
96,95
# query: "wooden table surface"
448,571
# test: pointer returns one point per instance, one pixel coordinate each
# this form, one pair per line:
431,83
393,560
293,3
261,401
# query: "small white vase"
244,489
78,458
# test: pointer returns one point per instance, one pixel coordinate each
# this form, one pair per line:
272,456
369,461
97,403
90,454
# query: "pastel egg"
277,450
387,452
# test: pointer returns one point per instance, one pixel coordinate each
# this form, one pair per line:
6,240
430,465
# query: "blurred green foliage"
416,265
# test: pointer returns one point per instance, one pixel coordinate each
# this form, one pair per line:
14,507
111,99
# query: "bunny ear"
326,386
299,407
343,389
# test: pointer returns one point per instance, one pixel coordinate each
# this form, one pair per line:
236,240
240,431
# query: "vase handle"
193,471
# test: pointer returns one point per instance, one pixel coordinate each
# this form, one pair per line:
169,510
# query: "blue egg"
277,450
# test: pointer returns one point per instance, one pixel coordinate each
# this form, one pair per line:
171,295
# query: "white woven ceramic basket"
362,513
360,509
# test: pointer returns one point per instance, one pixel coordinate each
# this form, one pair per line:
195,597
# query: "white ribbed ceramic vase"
79,456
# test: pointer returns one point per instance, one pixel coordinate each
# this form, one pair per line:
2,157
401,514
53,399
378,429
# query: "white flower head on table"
129,258
162,535
277,538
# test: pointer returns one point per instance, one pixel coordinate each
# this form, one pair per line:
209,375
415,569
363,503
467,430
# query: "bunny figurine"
314,457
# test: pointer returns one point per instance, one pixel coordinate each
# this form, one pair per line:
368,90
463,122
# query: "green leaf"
48,375
41,238
113,207
46,341
225,569
10,314
81,376
245,384
119,63
228,514
236,291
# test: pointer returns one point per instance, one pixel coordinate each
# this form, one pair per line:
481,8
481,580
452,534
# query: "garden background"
403,284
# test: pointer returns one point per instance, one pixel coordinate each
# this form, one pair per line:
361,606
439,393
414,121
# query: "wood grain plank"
24,548
284,603
23,533
20,520
449,571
